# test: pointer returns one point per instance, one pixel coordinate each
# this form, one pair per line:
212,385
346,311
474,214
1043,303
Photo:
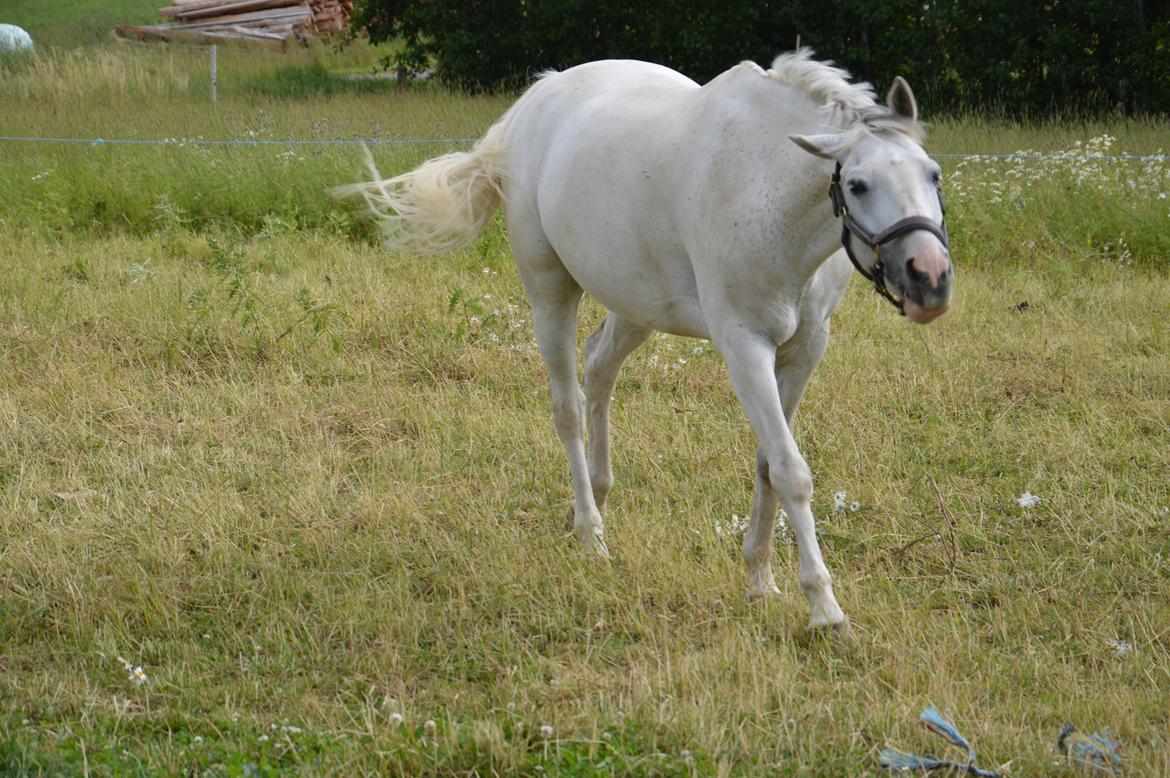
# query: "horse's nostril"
914,274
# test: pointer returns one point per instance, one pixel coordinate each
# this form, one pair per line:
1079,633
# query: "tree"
1011,56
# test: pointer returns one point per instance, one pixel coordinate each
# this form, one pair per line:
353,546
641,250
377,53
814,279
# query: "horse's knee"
791,481
567,411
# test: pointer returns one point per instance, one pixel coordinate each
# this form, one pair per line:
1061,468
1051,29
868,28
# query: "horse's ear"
901,100
827,146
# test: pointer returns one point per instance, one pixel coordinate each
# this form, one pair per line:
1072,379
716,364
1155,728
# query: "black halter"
850,228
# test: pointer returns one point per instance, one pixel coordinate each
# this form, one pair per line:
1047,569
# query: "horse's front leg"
783,477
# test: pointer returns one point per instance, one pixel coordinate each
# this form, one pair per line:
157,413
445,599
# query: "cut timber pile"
263,21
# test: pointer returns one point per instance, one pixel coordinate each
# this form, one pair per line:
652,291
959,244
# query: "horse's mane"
846,105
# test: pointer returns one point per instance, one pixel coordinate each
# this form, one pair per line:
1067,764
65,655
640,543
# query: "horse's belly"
676,313
650,285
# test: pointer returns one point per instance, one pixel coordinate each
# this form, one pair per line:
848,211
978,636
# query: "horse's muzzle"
926,292
919,315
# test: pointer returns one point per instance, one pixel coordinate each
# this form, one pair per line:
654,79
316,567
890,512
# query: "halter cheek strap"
851,229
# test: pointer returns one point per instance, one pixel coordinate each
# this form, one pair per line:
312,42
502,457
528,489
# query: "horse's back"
574,110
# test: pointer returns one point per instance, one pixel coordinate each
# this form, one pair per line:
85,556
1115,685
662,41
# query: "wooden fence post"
214,73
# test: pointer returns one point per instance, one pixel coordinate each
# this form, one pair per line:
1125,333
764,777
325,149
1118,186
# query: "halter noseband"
850,229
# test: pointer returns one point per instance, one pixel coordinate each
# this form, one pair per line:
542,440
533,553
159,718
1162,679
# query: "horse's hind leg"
554,297
605,351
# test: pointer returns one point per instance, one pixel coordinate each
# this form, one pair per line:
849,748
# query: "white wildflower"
262,739
782,530
136,673
854,506
1119,647
396,719
546,731
197,739
741,524
840,501
1028,500
429,727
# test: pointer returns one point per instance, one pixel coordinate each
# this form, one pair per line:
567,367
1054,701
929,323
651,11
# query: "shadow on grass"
301,82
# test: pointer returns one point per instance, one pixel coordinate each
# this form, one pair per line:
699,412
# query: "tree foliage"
1020,57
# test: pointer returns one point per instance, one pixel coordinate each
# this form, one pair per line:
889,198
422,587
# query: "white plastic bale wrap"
13,38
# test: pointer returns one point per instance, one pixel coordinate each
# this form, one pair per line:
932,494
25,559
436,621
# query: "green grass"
71,23
307,485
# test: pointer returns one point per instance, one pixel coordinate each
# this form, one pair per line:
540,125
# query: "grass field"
72,23
314,492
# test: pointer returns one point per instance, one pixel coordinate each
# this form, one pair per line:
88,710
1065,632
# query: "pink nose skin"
919,315
932,264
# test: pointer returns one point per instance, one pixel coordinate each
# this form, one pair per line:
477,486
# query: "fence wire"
426,141
232,141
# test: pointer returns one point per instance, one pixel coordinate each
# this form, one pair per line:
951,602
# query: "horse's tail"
443,204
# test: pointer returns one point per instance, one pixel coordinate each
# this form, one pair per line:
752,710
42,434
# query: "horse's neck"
773,192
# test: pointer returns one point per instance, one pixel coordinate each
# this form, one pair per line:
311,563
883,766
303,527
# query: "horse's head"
887,191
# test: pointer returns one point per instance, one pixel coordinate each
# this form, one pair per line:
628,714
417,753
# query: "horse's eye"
936,178
857,188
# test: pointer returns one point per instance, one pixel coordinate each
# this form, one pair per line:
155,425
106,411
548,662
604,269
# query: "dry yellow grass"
366,517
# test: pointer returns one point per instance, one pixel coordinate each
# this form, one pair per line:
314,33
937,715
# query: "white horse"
695,211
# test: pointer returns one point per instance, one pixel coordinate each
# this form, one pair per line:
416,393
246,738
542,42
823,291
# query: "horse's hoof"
762,593
595,548
837,631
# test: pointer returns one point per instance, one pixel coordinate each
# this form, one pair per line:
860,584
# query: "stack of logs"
276,22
